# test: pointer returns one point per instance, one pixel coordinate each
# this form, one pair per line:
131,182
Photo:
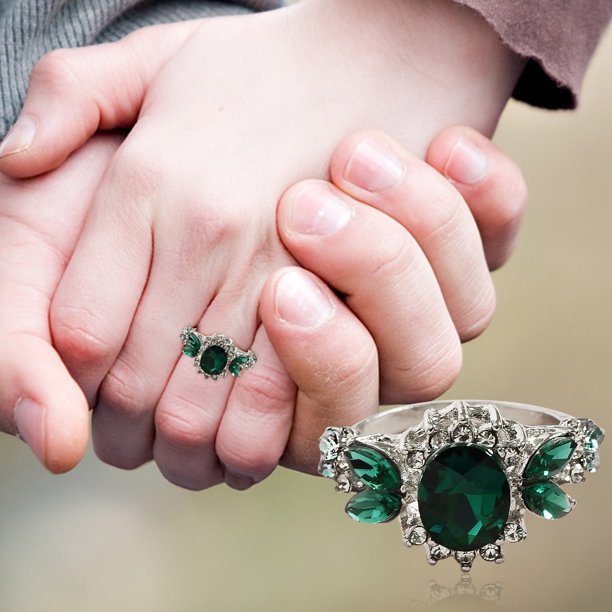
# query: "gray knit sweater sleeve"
31,28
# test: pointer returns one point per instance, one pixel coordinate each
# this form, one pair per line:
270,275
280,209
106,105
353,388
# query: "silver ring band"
215,355
460,475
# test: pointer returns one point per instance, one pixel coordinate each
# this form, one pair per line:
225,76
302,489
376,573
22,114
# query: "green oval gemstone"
549,459
547,500
373,506
374,468
213,360
193,345
464,497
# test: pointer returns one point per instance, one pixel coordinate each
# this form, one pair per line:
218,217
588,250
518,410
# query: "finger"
176,294
191,407
75,92
327,352
491,183
38,398
98,295
256,423
42,404
387,281
376,171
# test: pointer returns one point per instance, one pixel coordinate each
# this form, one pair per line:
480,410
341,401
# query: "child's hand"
333,363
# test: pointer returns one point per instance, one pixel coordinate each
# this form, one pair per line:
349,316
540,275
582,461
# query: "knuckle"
121,460
479,316
264,397
266,390
443,221
211,226
56,69
125,391
436,372
135,173
178,475
511,209
173,422
252,458
80,336
346,378
393,257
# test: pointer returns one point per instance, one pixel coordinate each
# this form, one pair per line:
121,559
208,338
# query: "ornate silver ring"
460,474
215,355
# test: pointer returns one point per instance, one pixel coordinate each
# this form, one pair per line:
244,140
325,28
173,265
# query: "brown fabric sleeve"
558,36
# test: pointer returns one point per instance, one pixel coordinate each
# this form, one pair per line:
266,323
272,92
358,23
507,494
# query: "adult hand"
333,361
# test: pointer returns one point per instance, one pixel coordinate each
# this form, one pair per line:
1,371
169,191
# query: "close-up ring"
215,355
460,474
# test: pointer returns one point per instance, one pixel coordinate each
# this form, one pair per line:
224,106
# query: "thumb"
73,93
329,355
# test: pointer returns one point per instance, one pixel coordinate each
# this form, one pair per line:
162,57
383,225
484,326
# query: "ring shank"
397,420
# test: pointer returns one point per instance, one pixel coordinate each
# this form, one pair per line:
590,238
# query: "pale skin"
137,274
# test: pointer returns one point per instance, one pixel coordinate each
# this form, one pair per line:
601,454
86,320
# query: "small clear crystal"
594,463
462,433
577,473
465,558
329,444
415,460
486,438
490,552
417,536
327,469
438,440
438,552
515,532
343,484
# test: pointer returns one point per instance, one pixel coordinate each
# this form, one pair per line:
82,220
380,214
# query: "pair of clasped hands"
353,287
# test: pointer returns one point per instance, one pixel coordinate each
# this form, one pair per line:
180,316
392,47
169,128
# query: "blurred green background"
99,539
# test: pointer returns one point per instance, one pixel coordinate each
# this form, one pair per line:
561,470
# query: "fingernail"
299,300
466,164
19,138
30,421
318,211
374,166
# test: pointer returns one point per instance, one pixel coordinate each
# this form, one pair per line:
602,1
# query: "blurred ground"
100,540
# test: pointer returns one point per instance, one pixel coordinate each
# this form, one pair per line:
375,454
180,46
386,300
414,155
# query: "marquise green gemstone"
374,468
464,497
373,506
546,499
213,360
193,345
549,459
596,437
235,366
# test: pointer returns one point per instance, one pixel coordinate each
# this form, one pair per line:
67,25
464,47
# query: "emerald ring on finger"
215,355
461,475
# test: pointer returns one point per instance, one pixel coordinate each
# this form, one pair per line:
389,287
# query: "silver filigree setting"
513,443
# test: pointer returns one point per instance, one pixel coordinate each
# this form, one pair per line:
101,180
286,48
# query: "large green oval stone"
549,459
547,499
374,468
373,506
464,497
213,360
